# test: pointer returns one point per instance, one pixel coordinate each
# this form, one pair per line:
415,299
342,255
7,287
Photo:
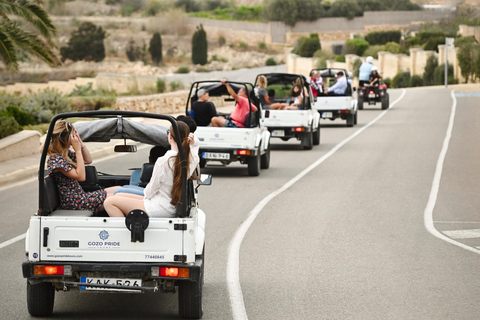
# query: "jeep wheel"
316,136
385,102
307,140
254,164
265,160
350,120
190,303
360,103
40,298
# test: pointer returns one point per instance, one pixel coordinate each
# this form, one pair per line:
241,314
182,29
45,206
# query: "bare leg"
119,205
111,190
278,106
218,122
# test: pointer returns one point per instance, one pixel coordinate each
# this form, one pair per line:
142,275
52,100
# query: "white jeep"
249,145
79,250
303,123
332,107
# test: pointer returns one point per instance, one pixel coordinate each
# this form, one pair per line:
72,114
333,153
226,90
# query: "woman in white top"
164,191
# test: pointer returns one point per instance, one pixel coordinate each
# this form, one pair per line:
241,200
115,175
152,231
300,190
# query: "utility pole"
448,45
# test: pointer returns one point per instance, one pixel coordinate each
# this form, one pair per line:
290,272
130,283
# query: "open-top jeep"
343,106
302,124
249,145
81,250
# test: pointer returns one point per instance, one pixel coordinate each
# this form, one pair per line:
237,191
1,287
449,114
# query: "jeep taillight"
299,129
40,270
242,152
171,272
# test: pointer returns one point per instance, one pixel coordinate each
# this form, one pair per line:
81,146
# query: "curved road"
383,224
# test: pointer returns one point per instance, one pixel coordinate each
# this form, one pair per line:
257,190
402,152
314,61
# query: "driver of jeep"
340,86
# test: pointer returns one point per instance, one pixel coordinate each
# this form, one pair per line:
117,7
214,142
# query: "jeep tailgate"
108,240
225,138
333,103
288,118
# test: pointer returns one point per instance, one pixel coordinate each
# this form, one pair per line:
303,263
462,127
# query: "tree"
86,43
13,36
428,73
307,46
199,46
346,8
466,55
292,11
155,48
136,53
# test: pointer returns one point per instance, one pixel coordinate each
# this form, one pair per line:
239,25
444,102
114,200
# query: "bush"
340,58
428,73
401,80
153,7
155,48
8,126
439,75
45,104
416,81
382,37
86,43
136,53
176,85
292,11
307,46
222,41
199,46
432,43
373,51
183,69
271,62
356,67
393,47
345,8
243,45
356,46
262,46
161,85
22,117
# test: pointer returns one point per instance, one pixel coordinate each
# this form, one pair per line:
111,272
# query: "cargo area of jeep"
92,252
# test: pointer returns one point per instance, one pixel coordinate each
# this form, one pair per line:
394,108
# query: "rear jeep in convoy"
78,250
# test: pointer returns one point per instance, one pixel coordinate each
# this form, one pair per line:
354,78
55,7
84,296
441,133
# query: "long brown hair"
60,142
177,166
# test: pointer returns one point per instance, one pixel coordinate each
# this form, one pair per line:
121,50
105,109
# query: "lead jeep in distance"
79,250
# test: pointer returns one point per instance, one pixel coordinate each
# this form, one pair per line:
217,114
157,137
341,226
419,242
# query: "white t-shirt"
158,192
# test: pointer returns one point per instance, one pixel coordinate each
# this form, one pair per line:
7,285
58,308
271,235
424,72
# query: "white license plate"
111,281
216,156
327,115
278,133
371,96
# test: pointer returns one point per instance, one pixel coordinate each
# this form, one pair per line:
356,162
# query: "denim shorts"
230,124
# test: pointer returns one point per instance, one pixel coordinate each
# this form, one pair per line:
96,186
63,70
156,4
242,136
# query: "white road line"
12,241
432,199
463,234
233,267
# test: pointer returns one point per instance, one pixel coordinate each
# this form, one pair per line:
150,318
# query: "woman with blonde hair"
263,95
68,168
164,191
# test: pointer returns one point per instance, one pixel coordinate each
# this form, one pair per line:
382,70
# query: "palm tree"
13,36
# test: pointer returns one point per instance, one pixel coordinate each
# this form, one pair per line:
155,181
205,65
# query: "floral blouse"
72,196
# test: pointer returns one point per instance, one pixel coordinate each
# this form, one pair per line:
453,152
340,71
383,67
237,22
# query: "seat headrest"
147,170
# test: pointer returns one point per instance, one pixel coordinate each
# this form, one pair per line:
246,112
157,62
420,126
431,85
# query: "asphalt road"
375,228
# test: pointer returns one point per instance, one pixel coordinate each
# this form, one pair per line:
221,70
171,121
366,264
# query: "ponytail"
177,166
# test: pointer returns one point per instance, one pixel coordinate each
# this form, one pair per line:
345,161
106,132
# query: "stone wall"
20,144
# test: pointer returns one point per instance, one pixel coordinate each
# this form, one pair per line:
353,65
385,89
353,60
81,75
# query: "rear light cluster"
344,111
242,152
171,272
46,270
299,129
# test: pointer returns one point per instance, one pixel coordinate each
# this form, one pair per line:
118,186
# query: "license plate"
371,96
125,283
216,156
278,133
327,115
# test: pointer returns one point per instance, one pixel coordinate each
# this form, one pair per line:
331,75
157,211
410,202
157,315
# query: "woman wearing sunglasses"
68,168
164,191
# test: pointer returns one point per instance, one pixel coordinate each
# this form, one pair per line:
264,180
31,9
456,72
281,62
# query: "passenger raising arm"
237,118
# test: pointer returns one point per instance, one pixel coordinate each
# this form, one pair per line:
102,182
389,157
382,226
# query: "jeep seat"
52,201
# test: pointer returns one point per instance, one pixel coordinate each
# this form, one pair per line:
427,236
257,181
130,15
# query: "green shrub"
183,69
429,71
373,51
45,104
155,48
22,117
416,81
86,43
393,47
176,85
401,80
153,7
307,46
432,43
262,46
340,58
243,45
199,46
127,11
356,46
161,85
356,67
439,75
271,62
136,53
222,41
8,126
382,37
